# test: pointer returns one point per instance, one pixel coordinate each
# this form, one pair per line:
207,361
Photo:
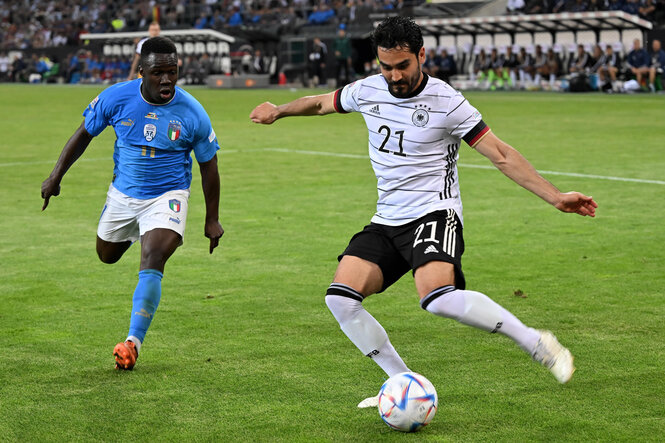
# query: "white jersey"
139,45
413,144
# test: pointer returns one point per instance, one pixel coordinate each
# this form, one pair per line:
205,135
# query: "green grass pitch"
243,347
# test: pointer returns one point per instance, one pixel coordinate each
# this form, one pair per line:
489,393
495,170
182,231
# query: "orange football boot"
125,355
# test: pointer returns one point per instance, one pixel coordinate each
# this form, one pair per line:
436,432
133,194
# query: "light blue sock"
144,304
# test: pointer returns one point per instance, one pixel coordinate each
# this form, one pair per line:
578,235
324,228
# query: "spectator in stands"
17,70
153,31
235,17
631,7
608,70
560,5
514,7
552,67
342,48
481,66
201,22
638,61
597,59
432,63
192,70
495,71
647,10
580,63
596,5
259,63
577,6
206,67
525,67
540,67
4,66
317,63
447,66
321,14
538,6
656,66
510,64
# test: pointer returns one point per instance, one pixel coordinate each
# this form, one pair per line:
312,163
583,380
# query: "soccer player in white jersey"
153,31
157,126
416,124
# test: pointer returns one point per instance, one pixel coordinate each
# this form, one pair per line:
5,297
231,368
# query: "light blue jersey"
152,152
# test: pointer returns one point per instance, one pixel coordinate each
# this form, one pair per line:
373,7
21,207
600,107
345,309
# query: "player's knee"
107,258
343,301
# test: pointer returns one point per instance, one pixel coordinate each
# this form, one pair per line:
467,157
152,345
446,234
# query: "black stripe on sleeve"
337,102
472,137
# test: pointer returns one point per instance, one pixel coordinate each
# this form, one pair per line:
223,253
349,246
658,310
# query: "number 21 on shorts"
432,232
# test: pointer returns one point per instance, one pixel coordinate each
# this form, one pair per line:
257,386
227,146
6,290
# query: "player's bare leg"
438,295
110,252
157,246
355,280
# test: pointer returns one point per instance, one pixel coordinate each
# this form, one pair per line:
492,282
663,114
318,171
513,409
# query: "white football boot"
369,402
551,354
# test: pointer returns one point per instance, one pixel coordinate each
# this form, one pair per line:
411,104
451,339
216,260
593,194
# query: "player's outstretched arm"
73,149
210,182
513,164
267,113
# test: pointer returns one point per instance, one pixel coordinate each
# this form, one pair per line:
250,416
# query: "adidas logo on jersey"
375,110
431,248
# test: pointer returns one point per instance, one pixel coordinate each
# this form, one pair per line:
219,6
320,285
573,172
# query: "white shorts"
126,219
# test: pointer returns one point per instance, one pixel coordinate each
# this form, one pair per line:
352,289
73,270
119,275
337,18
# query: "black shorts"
397,249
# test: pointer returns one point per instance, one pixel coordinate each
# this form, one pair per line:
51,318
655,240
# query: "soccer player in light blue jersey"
157,126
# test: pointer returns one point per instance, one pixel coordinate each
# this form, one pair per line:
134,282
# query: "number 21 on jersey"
386,130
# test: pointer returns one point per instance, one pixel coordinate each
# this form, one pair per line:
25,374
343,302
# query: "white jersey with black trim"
413,144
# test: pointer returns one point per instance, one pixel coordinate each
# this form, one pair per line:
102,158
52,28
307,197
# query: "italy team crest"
174,205
174,131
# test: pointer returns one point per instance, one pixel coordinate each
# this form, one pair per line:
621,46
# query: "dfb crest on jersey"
420,117
149,131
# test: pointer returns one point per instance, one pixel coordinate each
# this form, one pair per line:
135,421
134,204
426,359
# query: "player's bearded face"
401,69
160,74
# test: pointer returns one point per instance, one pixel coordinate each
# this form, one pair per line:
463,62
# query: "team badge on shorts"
174,205
420,117
149,131
174,130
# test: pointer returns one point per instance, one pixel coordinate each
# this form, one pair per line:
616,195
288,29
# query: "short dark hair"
396,32
158,45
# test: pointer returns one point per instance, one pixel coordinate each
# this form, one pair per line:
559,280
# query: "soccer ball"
407,401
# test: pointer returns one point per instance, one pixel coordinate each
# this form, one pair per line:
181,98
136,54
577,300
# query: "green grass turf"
243,347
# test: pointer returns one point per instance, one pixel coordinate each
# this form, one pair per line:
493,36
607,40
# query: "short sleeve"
346,98
462,117
205,144
95,114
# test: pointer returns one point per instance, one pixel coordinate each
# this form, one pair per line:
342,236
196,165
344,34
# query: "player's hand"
50,188
214,231
266,113
577,203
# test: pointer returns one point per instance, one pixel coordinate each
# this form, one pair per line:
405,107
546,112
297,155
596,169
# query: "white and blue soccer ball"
407,402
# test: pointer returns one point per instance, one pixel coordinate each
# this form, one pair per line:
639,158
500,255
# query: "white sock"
478,310
137,342
363,329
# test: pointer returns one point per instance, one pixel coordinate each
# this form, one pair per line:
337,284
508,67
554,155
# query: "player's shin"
478,310
363,329
144,304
